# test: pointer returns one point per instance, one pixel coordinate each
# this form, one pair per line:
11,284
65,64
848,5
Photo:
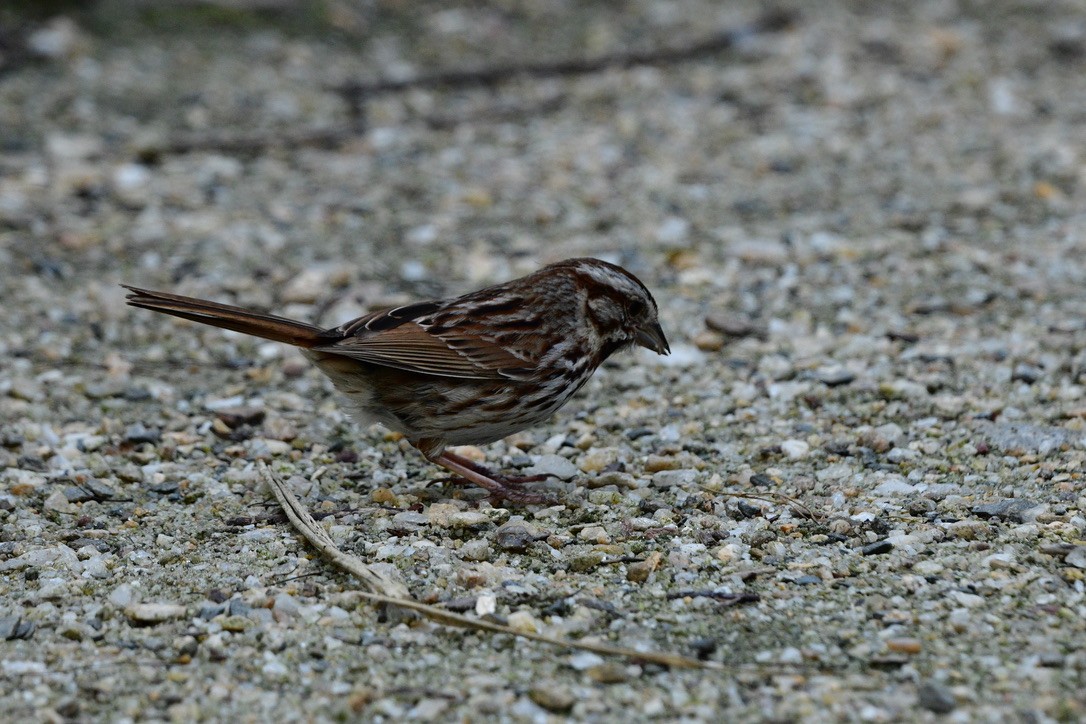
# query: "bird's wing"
401,338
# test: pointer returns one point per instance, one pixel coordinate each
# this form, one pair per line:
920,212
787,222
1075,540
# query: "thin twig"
357,93
731,599
771,497
771,21
387,591
248,142
377,582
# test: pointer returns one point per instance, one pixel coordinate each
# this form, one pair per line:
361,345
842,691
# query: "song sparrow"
469,370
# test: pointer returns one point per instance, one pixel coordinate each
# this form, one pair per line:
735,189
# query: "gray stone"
674,478
877,548
1012,509
834,376
148,614
137,433
1076,557
89,489
935,697
554,465
1027,437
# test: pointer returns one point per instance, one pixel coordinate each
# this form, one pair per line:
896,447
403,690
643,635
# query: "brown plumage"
468,370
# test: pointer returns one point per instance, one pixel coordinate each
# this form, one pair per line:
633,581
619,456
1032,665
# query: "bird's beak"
652,337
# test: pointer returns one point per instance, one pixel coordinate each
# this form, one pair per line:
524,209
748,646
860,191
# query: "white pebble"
149,613
486,603
894,486
555,465
585,660
122,596
795,449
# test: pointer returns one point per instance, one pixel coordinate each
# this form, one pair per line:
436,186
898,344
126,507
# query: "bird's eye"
636,308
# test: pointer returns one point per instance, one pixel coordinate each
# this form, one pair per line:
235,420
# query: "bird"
465,370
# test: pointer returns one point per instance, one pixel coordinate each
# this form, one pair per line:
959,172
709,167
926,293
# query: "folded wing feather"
409,346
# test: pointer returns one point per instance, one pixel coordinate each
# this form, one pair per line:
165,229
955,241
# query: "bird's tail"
226,316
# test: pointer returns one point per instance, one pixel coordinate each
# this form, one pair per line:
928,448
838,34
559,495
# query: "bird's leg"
498,485
506,479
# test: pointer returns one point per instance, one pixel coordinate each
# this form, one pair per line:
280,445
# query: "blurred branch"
357,94
769,22
242,142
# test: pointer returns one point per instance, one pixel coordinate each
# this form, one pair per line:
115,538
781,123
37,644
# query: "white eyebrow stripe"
603,275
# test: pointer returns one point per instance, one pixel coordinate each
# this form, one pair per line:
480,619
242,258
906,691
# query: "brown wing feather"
410,347
388,318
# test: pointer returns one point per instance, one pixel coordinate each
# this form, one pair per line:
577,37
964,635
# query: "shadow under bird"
468,370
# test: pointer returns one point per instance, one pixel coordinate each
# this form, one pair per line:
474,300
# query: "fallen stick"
385,590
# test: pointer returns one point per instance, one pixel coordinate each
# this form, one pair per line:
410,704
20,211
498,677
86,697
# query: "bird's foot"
501,487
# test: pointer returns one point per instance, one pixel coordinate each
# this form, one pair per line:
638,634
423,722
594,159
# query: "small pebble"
89,489
899,455
1012,509
285,607
514,537
236,624
594,534
552,697
729,325
410,519
596,460
709,341
904,645
148,614
1027,373
185,646
1077,557
834,376
583,660
935,697
14,627
237,416
122,596
468,519
137,433
262,446
795,449
524,621
476,550
674,478
57,502
486,604
585,562
878,548
656,463
609,672
894,486
640,571
554,465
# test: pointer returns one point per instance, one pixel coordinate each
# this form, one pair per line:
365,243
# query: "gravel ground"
866,234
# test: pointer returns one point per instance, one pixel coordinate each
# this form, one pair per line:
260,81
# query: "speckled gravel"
867,238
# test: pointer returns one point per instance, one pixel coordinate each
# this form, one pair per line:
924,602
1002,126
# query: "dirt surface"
865,230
